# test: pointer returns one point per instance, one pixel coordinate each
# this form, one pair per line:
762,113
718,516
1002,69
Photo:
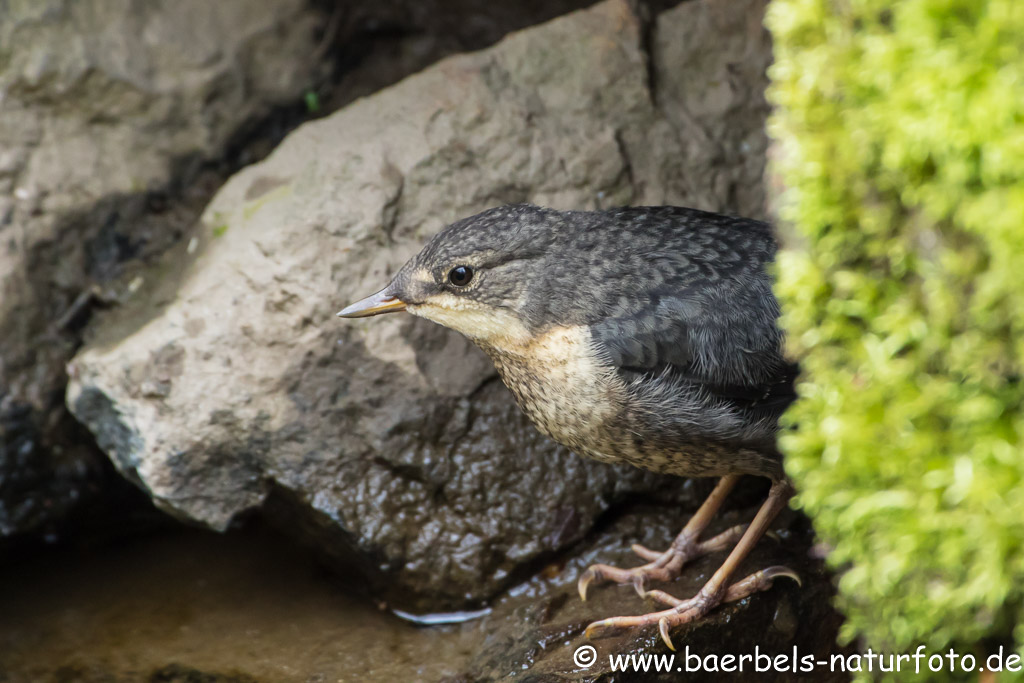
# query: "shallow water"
188,606
237,605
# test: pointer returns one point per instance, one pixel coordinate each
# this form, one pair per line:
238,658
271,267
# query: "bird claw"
600,629
772,573
685,611
585,580
663,630
661,566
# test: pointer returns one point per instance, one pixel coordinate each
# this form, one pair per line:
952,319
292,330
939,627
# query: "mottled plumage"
648,334
644,335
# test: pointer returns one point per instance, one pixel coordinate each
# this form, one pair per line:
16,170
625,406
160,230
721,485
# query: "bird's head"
480,276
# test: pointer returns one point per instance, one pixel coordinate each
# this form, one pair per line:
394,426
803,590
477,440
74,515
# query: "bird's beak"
375,304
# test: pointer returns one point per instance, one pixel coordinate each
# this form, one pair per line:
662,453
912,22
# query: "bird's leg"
717,590
665,566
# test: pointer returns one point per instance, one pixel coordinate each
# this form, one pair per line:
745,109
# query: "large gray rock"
230,386
103,103
105,99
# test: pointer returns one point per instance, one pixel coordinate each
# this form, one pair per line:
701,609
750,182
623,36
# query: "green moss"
900,140
312,100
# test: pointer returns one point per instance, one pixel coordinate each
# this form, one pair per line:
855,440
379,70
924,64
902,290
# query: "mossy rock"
899,134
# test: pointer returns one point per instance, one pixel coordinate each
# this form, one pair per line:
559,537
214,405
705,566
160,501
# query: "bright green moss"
900,141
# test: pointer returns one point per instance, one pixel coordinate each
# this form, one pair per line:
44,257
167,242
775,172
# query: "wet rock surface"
107,106
120,121
533,634
188,605
193,606
226,385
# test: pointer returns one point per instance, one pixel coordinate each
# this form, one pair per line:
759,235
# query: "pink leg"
717,590
665,566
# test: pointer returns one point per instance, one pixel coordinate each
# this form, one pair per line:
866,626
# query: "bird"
645,335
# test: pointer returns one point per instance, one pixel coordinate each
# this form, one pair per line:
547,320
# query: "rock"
106,105
119,124
710,64
534,635
387,40
228,386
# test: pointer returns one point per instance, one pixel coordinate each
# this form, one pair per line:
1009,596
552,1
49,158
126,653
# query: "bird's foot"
685,611
661,566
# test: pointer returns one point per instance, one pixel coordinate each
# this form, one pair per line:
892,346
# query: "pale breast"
558,380
560,384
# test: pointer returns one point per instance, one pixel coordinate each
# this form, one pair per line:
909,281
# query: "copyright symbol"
585,656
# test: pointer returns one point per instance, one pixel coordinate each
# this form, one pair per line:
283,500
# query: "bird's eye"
460,276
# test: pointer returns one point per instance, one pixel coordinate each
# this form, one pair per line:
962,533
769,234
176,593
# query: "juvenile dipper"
644,335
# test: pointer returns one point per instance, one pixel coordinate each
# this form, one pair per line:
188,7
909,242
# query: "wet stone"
532,636
227,387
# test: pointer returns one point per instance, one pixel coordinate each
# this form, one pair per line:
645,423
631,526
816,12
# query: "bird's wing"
722,338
